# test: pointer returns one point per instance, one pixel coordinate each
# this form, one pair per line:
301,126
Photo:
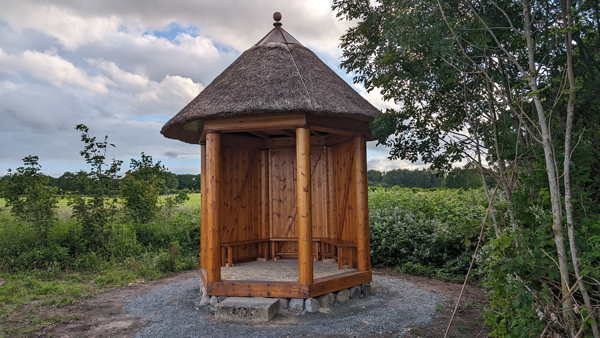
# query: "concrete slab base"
247,309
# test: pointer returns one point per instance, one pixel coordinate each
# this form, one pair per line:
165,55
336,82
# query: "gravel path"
173,311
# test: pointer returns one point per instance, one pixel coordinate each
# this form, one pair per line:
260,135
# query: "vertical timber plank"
264,196
362,204
203,208
305,244
213,178
333,196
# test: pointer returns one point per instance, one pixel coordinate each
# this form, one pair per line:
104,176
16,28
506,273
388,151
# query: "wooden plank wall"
240,198
284,222
343,181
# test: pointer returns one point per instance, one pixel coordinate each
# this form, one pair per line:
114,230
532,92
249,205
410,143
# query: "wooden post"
264,197
203,208
362,204
213,197
305,243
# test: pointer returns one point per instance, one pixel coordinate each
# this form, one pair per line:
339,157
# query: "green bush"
425,232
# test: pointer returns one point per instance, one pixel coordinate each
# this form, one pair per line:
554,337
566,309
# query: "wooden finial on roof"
277,17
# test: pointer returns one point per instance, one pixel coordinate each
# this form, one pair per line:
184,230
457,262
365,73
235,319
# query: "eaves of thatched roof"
277,75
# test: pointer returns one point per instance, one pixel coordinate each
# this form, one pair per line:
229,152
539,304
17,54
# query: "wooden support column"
305,240
264,198
203,208
362,204
213,197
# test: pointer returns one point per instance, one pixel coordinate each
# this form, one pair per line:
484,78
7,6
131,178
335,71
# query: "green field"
62,201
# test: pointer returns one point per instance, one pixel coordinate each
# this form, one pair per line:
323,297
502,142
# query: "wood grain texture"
338,282
240,199
336,125
362,204
303,191
237,141
290,142
256,123
264,196
203,205
258,289
343,225
213,193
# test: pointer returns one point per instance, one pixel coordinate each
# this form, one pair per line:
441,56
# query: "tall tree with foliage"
141,187
495,83
96,213
30,198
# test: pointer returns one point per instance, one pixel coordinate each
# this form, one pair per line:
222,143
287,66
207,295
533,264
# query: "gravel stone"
221,298
326,300
342,296
283,303
214,300
296,305
205,300
367,290
172,311
355,292
311,305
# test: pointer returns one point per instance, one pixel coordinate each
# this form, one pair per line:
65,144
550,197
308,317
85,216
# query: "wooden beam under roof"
260,134
256,123
289,133
337,125
289,142
239,141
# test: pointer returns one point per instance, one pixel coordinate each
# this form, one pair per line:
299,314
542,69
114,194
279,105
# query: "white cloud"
120,77
50,68
171,92
144,96
9,85
62,23
374,96
383,164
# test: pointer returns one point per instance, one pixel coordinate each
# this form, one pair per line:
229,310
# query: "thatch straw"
272,77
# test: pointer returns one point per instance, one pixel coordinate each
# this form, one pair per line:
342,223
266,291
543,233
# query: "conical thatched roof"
277,75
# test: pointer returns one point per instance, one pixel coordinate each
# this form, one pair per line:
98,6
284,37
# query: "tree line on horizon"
464,178
79,183
458,178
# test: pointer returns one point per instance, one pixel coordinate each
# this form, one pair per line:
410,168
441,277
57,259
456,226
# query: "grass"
24,295
192,202
62,201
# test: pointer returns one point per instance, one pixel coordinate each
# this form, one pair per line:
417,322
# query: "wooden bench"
320,253
275,240
338,244
229,246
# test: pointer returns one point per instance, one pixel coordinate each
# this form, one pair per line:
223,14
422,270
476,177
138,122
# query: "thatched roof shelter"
276,75
283,148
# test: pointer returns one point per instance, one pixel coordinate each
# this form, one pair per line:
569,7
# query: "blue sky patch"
171,31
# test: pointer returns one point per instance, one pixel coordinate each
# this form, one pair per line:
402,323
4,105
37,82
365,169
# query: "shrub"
425,232
30,198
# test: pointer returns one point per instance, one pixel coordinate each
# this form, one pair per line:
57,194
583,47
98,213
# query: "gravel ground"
173,311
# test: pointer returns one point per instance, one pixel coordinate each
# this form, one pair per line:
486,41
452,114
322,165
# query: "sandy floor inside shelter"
284,270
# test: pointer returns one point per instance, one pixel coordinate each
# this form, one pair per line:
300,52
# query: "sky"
124,68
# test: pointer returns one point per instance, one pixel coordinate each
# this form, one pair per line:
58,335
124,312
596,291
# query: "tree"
374,177
171,181
463,178
492,82
96,213
141,187
30,198
188,181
